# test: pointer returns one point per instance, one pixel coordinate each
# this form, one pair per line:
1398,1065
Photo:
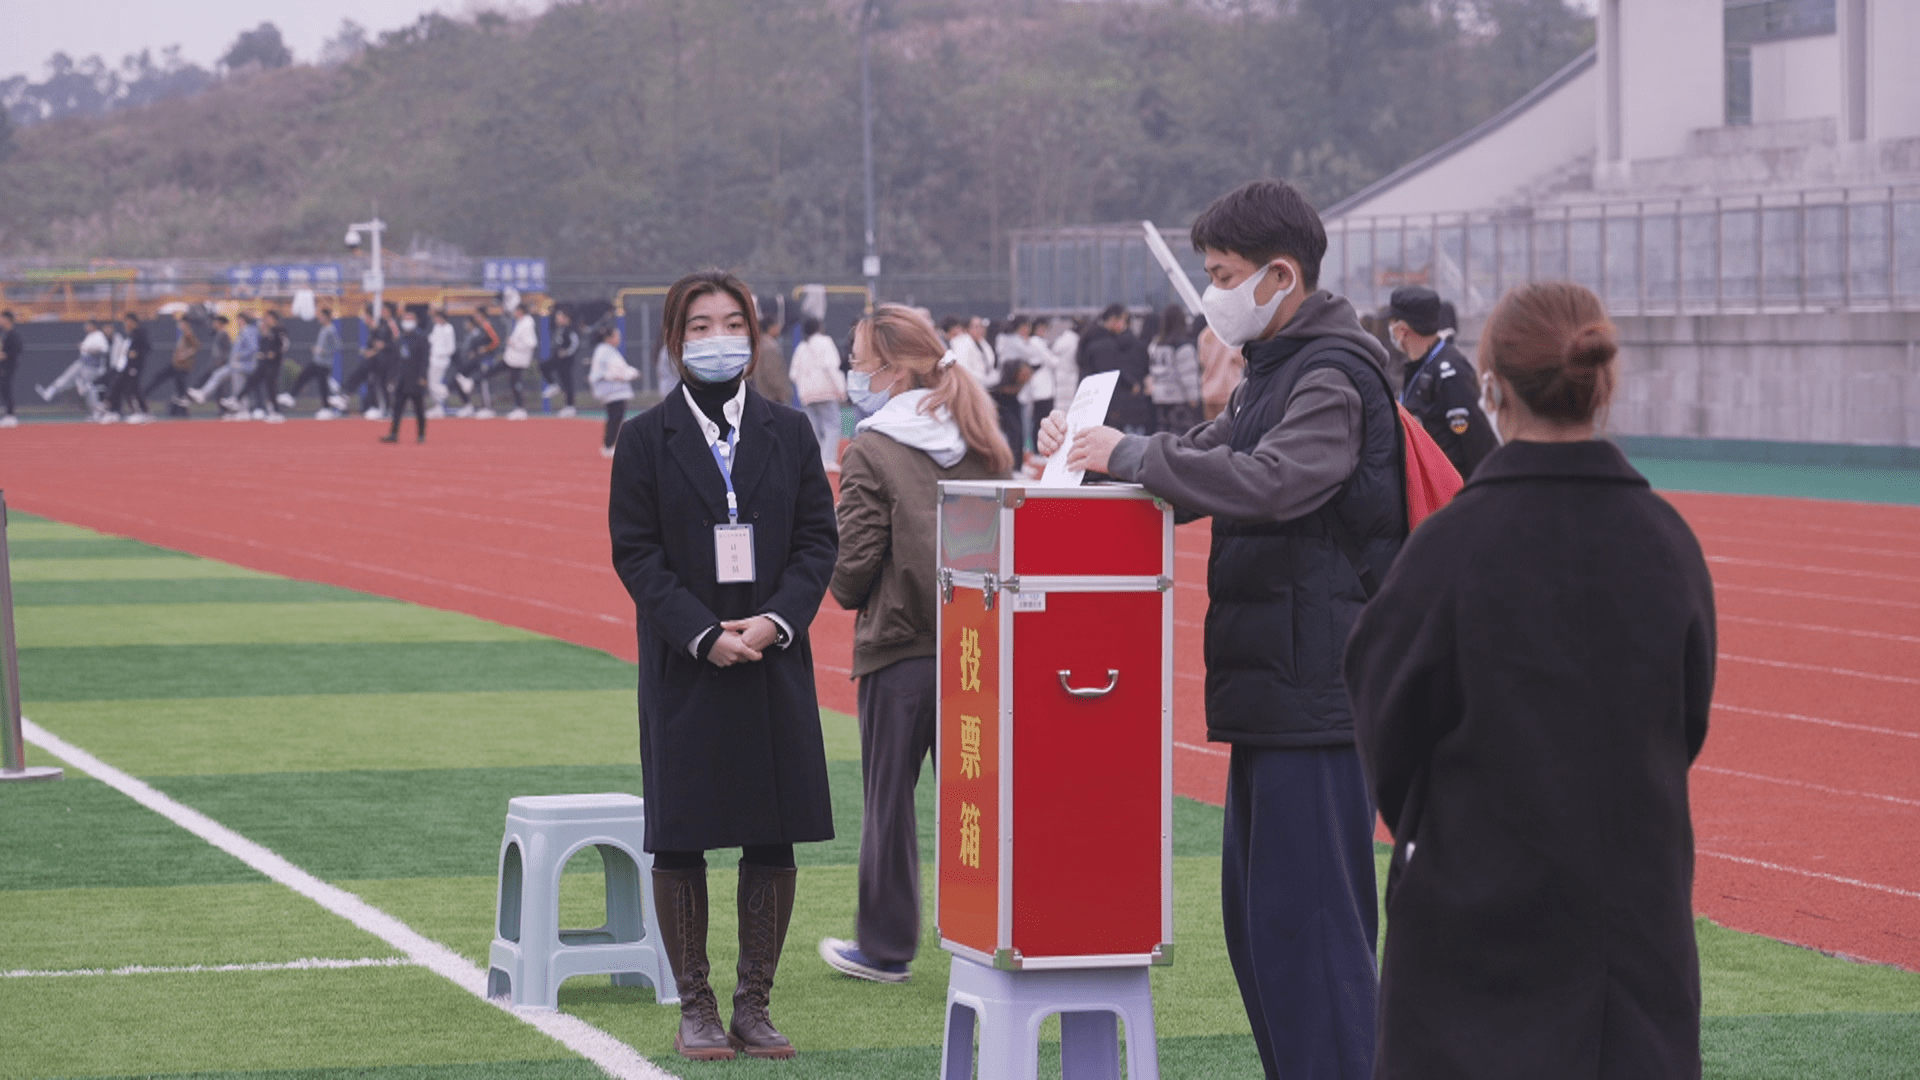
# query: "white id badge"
733,553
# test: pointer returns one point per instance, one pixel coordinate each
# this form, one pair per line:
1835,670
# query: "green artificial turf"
150,671
31,527
1782,480
161,1023
1829,1046
308,733
81,547
79,833
472,1070
107,625
1745,974
178,567
177,926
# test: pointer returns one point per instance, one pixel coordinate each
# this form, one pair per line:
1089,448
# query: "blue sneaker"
846,958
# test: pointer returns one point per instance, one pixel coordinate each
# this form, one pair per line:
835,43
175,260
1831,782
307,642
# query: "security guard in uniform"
1441,389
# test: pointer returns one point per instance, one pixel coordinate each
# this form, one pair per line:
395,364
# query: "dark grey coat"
729,756
1530,687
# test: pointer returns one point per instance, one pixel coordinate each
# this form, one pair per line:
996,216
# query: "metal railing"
1080,270
1849,249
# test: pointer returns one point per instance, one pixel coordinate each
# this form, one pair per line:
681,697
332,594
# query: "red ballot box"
1055,748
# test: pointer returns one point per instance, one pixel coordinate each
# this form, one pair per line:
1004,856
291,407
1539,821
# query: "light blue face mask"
716,359
860,391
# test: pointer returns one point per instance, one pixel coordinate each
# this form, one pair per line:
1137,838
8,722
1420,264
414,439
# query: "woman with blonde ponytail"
928,420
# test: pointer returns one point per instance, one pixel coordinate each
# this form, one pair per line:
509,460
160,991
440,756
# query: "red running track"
1806,800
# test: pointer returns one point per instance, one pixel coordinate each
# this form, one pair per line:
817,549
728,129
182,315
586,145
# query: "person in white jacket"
84,374
517,357
821,386
611,379
441,345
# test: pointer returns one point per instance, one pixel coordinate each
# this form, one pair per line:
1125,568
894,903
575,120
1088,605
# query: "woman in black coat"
1530,687
723,532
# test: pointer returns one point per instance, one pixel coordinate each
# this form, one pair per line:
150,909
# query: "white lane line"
613,1057
1769,564
1843,725
1210,751
1804,784
1836,878
1832,598
1876,635
1848,672
312,963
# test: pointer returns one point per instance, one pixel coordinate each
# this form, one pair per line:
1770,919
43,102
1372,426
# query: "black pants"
263,386
898,706
616,414
365,377
471,367
399,396
7,368
179,378
512,375
1008,407
1297,894
1042,408
776,856
318,374
125,390
560,370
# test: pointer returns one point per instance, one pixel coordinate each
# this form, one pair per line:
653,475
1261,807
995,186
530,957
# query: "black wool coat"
1530,687
729,756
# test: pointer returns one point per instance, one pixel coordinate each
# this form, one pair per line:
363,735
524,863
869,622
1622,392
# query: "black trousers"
7,369
560,370
898,708
512,375
367,378
179,378
318,374
1297,894
399,396
1008,408
616,414
776,856
125,390
1042,408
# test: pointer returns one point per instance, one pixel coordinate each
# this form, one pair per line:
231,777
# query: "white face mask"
1490,403
1234,315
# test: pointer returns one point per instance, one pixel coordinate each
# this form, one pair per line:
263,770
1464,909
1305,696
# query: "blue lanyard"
726,472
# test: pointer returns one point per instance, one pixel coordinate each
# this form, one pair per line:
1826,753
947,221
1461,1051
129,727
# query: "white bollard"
13,750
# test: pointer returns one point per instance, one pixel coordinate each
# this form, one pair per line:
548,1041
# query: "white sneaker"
374,413
325,414
140,418
547,392
109,417
466,383
9,420
45,394
517,414
259,414
606,451
567,413
436,413
242,415
231,404
464,410
276,418
337,402
284,400
483,414
198,395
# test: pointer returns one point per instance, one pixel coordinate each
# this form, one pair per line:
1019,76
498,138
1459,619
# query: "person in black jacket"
1441,390
558,371
11,348
1529,689
409,378
1110,345
723,532
125,392
1300,474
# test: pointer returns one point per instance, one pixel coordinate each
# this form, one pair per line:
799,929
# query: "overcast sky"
36,29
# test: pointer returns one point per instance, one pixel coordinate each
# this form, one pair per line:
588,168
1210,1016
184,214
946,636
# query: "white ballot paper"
1089,410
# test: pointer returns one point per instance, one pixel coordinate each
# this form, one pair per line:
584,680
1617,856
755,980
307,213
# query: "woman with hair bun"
1530,687
722,529
929,420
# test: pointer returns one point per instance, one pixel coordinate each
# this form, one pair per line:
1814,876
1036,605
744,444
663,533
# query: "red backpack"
1432,481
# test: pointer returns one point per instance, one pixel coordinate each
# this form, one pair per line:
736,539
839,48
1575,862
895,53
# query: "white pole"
13,751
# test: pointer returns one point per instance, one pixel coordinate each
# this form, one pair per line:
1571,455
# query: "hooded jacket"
889,497
1309,446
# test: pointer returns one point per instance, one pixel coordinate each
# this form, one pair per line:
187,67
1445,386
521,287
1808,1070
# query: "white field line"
1868,728
312,963
1836,878
1909,639
1210,751
1804,784
613,1057
1802,594
1768,564
1904,680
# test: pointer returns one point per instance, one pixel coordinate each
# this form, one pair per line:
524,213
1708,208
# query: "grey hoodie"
1298,464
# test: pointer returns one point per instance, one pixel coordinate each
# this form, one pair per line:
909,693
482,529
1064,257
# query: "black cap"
1418,307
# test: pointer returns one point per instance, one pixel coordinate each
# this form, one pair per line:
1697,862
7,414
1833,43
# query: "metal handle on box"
1113,680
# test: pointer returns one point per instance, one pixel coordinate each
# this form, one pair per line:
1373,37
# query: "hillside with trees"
641,137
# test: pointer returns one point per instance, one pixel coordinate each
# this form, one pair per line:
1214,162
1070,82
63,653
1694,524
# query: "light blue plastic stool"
531,954
1009,1006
